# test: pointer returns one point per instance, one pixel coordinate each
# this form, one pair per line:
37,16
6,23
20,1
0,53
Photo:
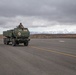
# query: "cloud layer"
37,13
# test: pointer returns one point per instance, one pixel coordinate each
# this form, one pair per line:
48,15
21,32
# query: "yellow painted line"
66,54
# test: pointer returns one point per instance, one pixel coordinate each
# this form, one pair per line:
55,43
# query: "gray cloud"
61,11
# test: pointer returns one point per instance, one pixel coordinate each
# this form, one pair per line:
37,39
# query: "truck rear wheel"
6,41
13,42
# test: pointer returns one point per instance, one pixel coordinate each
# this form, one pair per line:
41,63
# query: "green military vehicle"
17,35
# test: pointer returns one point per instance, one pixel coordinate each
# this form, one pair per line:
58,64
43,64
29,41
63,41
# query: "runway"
41,57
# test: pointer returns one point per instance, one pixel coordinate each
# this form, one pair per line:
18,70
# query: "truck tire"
17,43
26,43
4,40
7,42
13,42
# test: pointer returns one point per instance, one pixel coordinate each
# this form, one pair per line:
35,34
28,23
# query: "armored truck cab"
16,36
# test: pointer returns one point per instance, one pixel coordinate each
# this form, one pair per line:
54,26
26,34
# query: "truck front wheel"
26,43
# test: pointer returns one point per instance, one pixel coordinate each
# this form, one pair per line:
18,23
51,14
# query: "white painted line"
61,41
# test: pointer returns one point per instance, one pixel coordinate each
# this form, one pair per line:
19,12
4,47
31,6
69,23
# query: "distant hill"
53,36
48,36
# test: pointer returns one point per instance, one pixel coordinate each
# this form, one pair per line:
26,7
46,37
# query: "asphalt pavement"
41,57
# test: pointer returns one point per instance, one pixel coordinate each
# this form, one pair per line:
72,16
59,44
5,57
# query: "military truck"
17,35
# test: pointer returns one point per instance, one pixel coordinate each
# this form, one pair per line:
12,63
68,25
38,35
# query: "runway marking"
61,41
53,51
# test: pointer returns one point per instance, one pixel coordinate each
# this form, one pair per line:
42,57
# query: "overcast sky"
39,15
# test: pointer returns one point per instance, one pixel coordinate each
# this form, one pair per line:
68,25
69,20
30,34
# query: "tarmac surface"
41,57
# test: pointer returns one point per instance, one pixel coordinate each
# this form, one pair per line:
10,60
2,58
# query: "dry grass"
1,36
